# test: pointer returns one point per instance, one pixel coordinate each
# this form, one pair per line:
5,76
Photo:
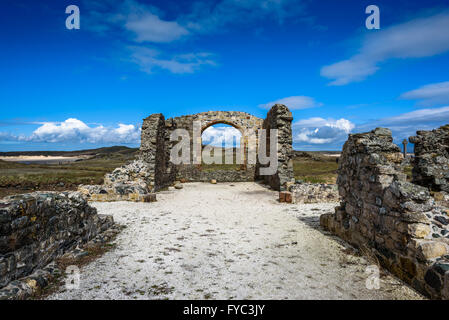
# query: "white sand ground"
226,241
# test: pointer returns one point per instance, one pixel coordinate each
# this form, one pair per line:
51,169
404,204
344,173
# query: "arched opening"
221,146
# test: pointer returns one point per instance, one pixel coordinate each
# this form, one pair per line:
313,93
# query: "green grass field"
315,170
313,167
21,178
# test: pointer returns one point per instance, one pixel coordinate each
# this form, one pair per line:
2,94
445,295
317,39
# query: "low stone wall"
193,173
381,211
314,193
431,163
118,192
39,227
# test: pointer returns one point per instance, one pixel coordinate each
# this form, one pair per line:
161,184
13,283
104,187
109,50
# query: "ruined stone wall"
155,151
37,228
137,181
280,118
242,121
431,163
154,170
382,212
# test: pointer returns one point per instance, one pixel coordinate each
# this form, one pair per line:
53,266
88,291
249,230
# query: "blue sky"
73,89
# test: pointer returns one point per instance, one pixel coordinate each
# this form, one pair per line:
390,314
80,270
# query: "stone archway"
241,153
242,121
156,145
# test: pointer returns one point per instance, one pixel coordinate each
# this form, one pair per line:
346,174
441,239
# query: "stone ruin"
153,170
431,163
40,227
398,221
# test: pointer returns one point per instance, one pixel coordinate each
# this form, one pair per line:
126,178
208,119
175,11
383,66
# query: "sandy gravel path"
226,241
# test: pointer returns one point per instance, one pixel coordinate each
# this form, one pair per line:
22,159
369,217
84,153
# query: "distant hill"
89,152
124,151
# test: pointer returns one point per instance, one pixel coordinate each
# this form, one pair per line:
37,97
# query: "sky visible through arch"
75,89
221,135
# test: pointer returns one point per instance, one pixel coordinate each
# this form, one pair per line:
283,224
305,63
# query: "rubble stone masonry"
431,163
39,227
380,211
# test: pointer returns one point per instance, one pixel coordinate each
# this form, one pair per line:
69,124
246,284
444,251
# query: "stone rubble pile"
126,183
383,212
314,193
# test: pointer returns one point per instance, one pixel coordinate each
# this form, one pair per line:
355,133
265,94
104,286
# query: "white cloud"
319,131
423,37
76,131
150,59
216,136
421,116
431,94
149,27
320,134
139,23
294,103
144,22
406,124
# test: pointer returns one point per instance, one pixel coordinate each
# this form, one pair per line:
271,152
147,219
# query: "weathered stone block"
431,249
282,196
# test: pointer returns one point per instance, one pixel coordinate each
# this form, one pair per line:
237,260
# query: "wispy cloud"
144,25
148,27
217,16
294,103
150,59
429,95
422,37
76,131
406,124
